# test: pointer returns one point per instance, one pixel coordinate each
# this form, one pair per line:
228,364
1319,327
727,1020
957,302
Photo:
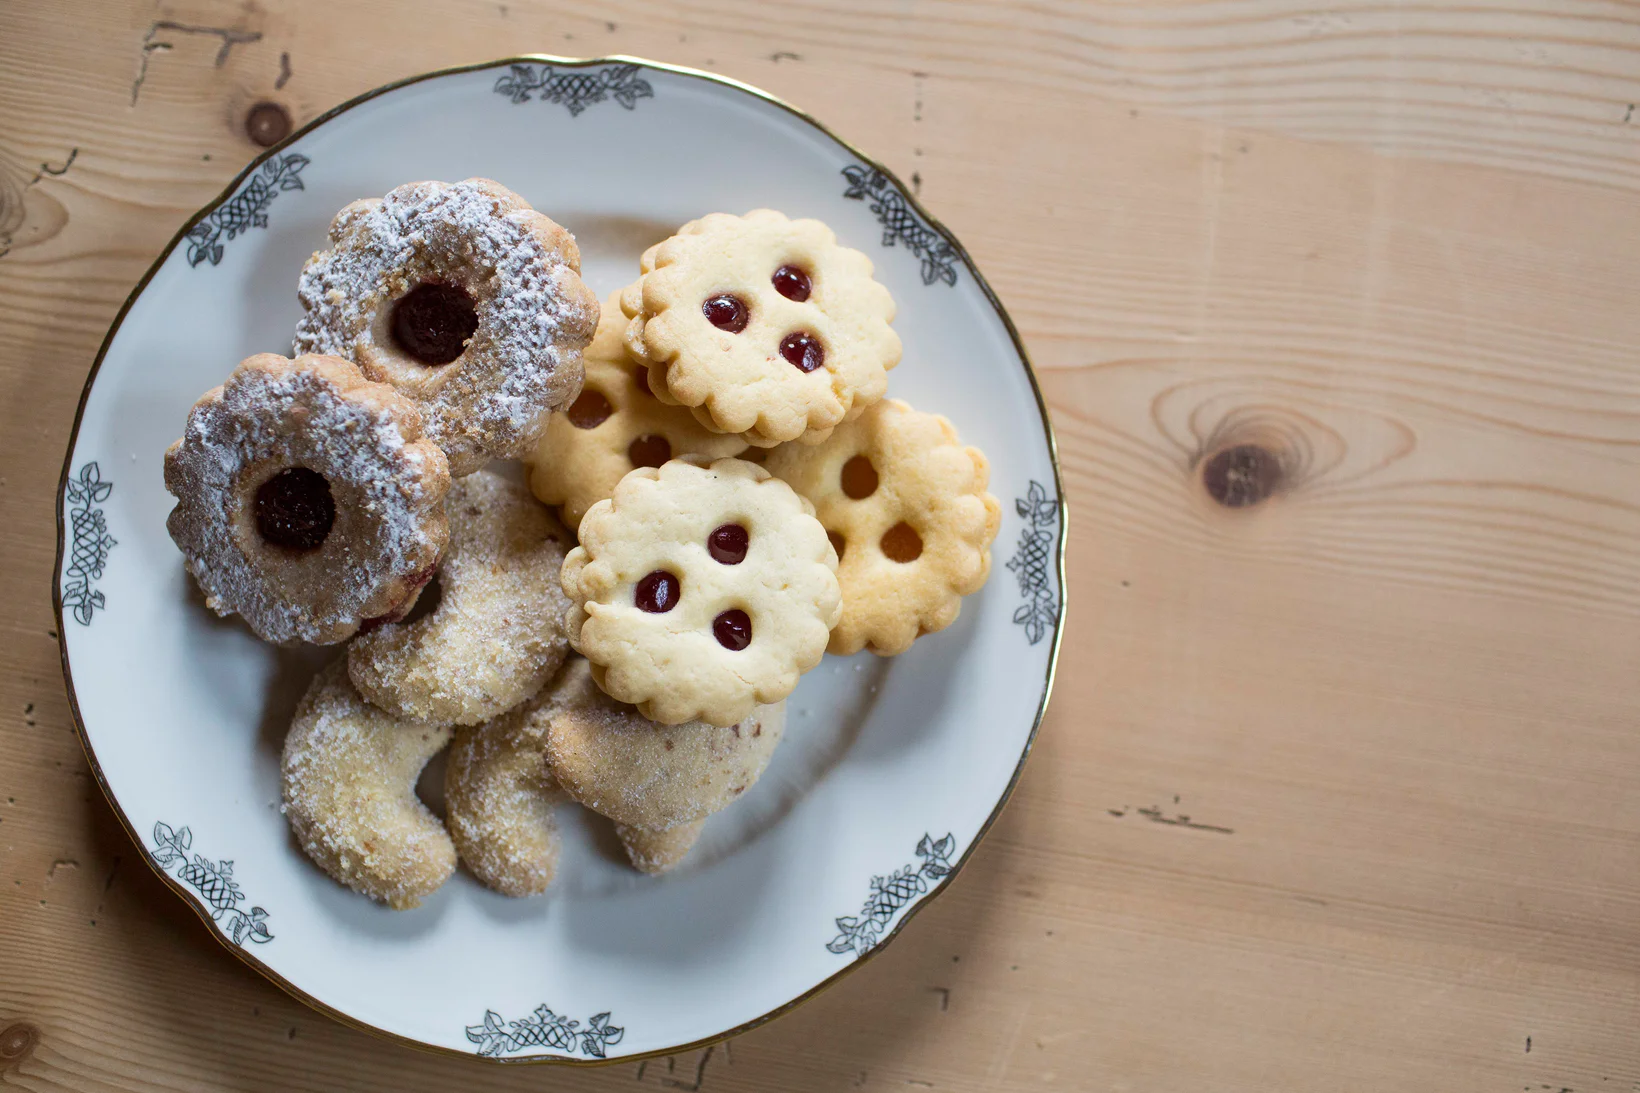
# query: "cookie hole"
837,543
649,450
793,283
658,593
901,543
591,410
859,478
640,376
728,544
294,509
733,629
727,311
802,351
432,322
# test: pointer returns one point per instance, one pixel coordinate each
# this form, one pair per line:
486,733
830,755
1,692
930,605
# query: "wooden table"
1337,790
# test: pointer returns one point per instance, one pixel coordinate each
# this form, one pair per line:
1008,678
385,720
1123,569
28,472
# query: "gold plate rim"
228,192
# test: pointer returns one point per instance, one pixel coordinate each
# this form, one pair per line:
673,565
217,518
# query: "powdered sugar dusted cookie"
614,426
464,298
497,634
701,591
906,506
762,326
307,500
349,775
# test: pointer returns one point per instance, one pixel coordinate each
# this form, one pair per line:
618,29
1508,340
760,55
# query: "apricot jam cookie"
465,299
349,785
701,591
905,505
615,425
308,501
657,782
762,326
497,634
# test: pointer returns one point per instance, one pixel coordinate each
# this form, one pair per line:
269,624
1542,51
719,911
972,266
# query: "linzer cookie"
905,505
308,501
762,326
465,299
701,591
496,635
615,425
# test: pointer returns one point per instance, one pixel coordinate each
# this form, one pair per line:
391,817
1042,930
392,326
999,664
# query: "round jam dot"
802,351
733,629
658,593
590,410
727,312
432,322
649,450
294,509
859,478
901,543
792,283
728,544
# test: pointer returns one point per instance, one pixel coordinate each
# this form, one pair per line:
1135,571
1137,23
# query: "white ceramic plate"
892,769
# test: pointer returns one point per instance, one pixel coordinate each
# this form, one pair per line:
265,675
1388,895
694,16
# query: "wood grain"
1336,791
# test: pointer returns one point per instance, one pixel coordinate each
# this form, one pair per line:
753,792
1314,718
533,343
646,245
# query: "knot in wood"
17,1042
267,123
1242,475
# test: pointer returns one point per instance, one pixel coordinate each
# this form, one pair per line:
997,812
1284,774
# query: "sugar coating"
652,851
388,485
670,664
925,478
499,801
739,383
497,634
349,775
523,273
575,467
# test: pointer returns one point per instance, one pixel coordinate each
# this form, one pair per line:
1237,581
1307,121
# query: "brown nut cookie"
652,851
497,634
651,777
762,326
349,775
614,426
499,800
701,591
307,500
462,297
906,507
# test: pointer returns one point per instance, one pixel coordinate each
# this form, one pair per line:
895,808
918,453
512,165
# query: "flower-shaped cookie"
465,299
906,507
308,500
614,426
701,591
762,326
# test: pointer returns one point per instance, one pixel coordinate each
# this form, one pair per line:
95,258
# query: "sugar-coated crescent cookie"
615,425
499,801
701,591
906,505
762,326
497,634
308,501
615,761
652,851
349,775
465,299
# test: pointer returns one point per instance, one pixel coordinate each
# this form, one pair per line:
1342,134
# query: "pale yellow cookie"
701,591
762,326
905,505
497,634
349,784
614,426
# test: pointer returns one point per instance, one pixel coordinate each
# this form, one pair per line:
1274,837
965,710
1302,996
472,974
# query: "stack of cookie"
738,495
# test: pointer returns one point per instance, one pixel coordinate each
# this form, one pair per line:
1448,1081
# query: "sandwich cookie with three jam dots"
701,591
614,426
308,500
906,506
465,299
762,326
